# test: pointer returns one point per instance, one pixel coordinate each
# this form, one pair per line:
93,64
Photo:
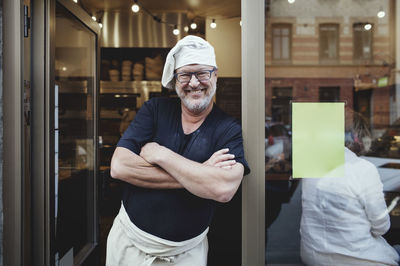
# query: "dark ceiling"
217,9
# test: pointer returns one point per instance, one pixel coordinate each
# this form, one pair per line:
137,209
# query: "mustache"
195,89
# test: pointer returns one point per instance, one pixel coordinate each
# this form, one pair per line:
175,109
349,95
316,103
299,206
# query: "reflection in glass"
340,51
74,146
344,218
328,41
362,48
281,41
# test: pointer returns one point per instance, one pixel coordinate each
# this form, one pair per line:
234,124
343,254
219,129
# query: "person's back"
344,218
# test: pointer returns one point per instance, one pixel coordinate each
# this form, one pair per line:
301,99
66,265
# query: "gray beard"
197,107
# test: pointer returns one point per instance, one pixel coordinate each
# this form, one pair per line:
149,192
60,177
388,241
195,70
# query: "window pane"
75,63
328,41
281,42
276,31
285,48
340,52
277,47
362,41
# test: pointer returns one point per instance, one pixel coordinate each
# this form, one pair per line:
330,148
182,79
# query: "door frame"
43,82
12,126
253,124
43,52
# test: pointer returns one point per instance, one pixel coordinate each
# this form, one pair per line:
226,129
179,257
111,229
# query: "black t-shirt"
176,214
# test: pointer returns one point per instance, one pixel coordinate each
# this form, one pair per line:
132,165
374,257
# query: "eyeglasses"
201,76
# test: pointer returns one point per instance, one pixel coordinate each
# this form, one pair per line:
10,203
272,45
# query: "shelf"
141,88
129,86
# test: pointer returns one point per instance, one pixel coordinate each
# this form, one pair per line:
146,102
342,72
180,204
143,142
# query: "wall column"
253,123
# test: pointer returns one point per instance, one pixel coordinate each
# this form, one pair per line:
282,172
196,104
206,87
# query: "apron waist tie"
155,247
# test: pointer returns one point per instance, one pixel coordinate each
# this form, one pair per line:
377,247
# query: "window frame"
281,26
361,60
322,59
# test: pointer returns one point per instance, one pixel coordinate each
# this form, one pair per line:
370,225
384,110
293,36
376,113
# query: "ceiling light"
291,1
193,26
100,25
367,26
175,31
381,13
213,25
94,18
186,28
135,8
76,1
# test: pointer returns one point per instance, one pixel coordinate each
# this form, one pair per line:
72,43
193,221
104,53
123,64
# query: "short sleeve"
232,139
140,130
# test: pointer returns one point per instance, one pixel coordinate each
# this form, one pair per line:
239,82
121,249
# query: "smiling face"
196,95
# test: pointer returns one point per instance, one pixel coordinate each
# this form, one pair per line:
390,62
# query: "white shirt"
344,218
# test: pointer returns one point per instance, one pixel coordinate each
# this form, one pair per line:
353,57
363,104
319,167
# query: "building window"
281,42
329,42
329,94
362,41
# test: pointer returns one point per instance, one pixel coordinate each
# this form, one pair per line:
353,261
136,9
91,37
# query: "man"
178,157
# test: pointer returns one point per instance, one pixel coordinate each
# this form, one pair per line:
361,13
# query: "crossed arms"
158,167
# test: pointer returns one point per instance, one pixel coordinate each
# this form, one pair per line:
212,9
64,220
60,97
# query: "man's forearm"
131,168
200,179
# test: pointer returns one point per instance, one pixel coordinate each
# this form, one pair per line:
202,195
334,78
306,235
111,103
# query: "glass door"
328,52
75,138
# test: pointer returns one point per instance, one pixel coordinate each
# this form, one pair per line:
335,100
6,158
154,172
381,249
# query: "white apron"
129,245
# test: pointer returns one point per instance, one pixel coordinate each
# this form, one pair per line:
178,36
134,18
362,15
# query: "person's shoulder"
224,125
360,166
224,119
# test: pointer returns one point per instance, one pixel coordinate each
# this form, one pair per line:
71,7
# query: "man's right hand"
221,159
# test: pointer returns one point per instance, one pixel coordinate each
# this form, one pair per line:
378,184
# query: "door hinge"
27,21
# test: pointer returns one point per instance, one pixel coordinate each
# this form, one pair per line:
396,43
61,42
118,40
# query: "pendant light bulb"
135,7
367,26
193,26
381,13
213,25
94,18
176,30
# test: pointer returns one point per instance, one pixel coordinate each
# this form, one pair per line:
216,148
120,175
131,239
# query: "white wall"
226,39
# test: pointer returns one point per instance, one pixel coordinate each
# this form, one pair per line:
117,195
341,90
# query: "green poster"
318,139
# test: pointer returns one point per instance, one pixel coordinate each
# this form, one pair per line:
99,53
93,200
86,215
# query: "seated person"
344,218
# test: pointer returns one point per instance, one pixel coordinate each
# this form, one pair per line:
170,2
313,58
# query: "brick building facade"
331,51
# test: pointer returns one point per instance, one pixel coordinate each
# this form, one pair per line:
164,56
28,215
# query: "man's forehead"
193,67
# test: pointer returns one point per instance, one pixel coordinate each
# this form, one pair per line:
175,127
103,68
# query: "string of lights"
136,7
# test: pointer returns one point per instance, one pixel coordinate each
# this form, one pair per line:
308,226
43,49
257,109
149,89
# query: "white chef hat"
189,50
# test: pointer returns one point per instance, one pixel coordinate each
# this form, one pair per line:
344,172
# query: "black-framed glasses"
201,76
